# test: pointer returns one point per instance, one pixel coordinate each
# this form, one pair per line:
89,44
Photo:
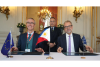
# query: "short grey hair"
32,19
68,21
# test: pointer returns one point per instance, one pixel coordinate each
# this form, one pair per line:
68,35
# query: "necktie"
28,40
52,28
29,37
69,48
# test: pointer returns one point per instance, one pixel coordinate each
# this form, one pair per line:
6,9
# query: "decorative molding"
91,26
96,21
22,14
97,37
61,15
85,31
57,16
84,23
26,13
94,27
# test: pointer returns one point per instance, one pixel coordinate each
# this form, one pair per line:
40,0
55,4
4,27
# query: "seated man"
27,41
71,42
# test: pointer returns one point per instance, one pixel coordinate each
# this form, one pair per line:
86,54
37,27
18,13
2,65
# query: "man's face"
68,27
52,22
30,24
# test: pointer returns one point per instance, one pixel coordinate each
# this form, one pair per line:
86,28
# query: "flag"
84,40
44,36
8,44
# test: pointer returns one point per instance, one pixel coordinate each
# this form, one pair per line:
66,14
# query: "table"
55,55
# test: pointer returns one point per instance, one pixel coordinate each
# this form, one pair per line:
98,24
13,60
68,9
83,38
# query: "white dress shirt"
72,42
52,27
30,33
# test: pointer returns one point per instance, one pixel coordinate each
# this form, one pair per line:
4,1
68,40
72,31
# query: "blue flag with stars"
84,40
8,44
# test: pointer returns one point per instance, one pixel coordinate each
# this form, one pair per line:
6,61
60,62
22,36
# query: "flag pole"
49,48
10,43
83,49
49,53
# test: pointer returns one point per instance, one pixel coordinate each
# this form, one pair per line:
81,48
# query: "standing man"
27,41
54,34
71,42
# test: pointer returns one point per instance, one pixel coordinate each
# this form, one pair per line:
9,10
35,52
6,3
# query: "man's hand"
52,45
39,49
14,49
88,48
59,50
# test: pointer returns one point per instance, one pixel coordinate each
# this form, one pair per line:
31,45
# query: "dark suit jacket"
53,38
77,42
23,41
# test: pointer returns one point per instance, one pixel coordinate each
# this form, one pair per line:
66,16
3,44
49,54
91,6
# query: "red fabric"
41,39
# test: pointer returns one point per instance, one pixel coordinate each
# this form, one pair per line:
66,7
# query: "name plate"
27,50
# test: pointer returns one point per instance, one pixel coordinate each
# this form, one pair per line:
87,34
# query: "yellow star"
45,34
7,40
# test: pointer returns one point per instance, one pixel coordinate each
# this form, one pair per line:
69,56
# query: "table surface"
55,55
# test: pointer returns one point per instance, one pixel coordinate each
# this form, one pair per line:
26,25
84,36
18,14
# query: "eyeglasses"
67,26
52,21
30,23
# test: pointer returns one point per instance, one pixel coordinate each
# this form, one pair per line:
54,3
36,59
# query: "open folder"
25,53
79,54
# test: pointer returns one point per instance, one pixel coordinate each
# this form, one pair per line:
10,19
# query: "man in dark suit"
54,34
71,42
27,41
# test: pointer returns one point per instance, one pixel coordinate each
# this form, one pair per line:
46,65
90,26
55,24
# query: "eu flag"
8,44
84,40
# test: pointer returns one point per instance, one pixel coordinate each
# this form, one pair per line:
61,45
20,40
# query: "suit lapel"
74,39
33,45
53,32
25,40
65,42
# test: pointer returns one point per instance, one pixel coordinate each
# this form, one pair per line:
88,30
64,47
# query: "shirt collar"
31,33
68,35
52,27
